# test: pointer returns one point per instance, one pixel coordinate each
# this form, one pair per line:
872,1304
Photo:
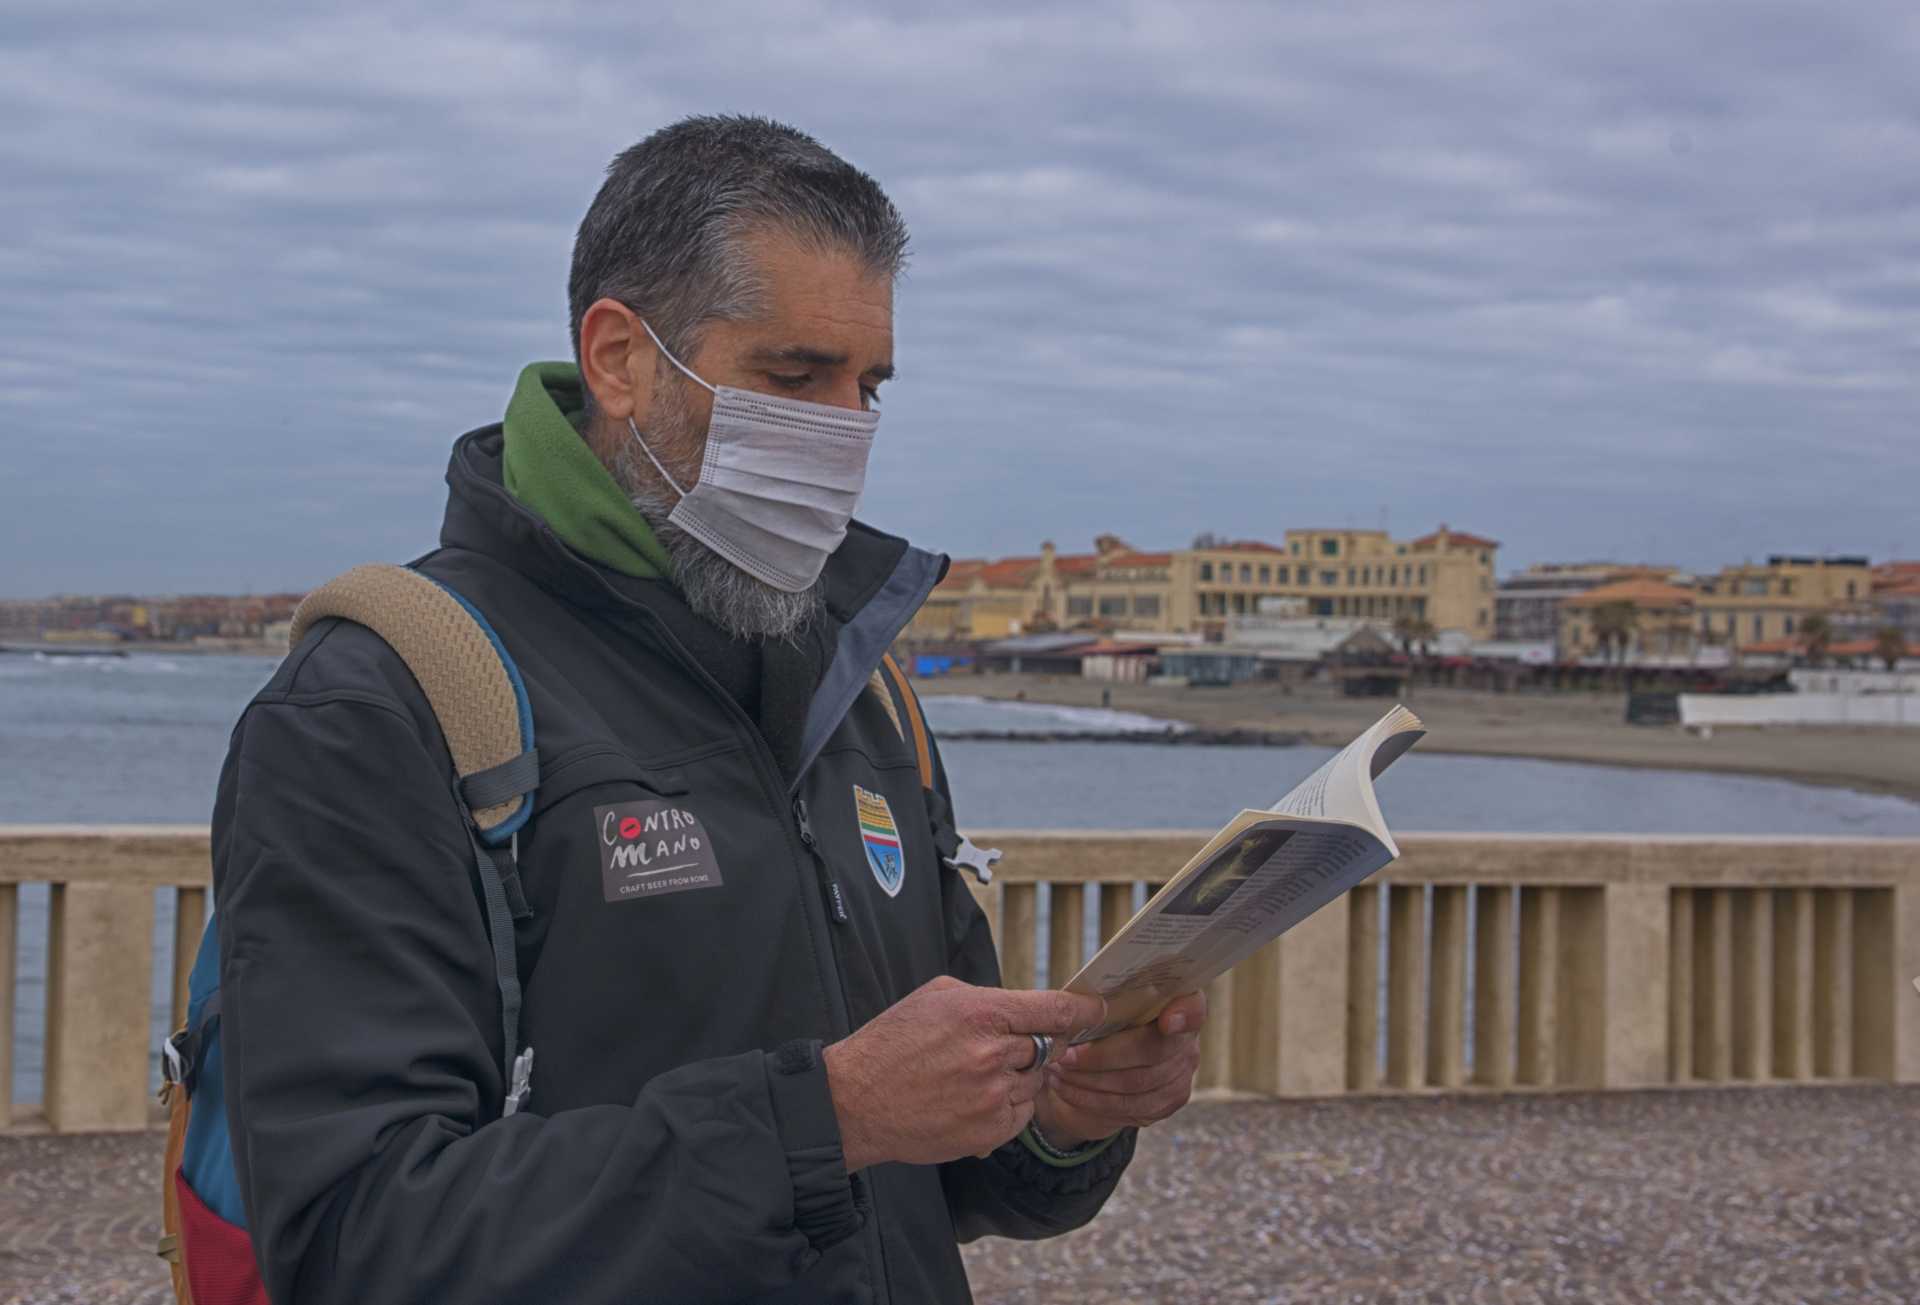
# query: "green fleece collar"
547,466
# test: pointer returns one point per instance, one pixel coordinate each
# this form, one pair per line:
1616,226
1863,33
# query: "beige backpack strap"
466,674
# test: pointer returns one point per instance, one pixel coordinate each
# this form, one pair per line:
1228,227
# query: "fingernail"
1069,1057
1176,1024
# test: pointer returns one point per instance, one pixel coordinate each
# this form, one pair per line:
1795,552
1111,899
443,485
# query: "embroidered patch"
882,839
648,849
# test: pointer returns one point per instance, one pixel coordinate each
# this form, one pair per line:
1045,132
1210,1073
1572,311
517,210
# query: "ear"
616,361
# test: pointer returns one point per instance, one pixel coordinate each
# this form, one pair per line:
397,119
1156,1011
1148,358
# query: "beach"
1583,727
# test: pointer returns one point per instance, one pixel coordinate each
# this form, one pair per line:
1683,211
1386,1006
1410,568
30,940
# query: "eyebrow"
810,357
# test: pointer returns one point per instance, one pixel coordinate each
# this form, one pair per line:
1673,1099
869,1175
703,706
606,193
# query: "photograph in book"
1263,873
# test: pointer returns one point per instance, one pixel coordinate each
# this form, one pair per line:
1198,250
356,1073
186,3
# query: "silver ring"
1042,1049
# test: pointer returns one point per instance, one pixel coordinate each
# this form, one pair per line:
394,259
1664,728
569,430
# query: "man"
796,1078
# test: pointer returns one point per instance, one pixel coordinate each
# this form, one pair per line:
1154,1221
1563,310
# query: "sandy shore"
1566,727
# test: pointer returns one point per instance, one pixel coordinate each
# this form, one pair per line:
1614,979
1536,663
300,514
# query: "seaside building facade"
1444,578
1753,604
1656,620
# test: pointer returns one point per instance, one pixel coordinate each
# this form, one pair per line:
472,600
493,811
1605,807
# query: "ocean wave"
967,712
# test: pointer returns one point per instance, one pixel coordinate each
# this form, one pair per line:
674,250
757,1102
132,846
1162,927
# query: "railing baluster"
1875,989
99,993
189,918
1713,985
1406,985
1793,984
1680,1018
1753,927
1363,989
1447,1000
1019,911
1495,975
1066,933
9,928
1539,984
1116,908
1833,983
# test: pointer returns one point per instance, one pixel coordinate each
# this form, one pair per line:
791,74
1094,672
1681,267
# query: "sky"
1631,281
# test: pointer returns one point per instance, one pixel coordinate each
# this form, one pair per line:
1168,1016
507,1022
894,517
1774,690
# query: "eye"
791,382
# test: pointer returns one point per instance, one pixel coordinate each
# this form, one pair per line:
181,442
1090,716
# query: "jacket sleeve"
361,1032
1011,1192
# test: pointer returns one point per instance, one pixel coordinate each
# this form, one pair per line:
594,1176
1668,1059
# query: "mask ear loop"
675,361
635,430
665,474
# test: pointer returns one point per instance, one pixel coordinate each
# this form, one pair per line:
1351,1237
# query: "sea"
140,738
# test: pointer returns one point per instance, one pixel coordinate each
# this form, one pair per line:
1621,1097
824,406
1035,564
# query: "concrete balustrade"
1477,962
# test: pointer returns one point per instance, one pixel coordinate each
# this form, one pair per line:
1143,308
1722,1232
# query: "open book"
1258,877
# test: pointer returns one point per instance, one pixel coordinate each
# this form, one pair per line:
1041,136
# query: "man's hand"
942,1072
1130,1079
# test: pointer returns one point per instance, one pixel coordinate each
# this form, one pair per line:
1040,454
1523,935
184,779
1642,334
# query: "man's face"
825,335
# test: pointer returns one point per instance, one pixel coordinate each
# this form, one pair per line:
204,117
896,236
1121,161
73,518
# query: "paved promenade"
1740,1196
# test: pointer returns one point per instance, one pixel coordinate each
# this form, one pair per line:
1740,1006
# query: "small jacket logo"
882,839
651,848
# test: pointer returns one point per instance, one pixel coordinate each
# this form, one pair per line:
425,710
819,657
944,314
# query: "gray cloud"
1639,280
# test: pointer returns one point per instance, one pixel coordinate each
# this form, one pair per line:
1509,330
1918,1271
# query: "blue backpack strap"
481,704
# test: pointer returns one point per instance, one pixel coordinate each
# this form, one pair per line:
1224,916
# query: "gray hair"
664,234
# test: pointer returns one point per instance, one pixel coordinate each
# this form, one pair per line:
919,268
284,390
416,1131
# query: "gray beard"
742,605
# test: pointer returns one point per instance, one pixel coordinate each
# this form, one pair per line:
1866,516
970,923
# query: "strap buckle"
976,861
522,1085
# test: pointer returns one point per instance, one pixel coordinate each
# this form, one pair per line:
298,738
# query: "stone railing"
1478,961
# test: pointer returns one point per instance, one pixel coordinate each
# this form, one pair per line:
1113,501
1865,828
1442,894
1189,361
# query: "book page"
1342,789
1260,875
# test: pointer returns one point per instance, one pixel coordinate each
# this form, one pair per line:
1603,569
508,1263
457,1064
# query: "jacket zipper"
836,900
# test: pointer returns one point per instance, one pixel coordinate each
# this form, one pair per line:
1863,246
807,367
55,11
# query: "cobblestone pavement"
1804,1195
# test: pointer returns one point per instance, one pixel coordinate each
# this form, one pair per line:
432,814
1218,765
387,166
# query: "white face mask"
779,483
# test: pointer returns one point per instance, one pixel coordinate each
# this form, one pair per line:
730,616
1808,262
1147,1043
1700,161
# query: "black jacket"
680,1143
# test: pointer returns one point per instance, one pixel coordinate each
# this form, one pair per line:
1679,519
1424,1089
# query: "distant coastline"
1573,727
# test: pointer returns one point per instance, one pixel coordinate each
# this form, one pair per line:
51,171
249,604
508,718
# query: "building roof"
1639,591
1248,546
1010,572
1131,559
1076,563
1904,589
1459,537
1895,575
1114,648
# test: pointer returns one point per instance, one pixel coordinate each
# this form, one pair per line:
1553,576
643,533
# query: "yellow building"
1445,578
1750,604
1661,623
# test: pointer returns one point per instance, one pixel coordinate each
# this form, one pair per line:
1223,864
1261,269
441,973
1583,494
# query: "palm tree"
1613,626
1816,636
1890,645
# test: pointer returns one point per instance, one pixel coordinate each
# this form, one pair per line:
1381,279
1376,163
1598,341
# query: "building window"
1206,570
1301,576
1393,576
1329,548
1111,606
1266,575
1419,603
1240,604
1080,606
1293,546
1246,573
1757,627
1423,573
1486,559
1350,575
1731,619
1789,625
1850,589
1146,604
1330,578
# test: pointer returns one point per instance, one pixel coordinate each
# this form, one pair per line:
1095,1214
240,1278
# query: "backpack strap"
480,702
903,705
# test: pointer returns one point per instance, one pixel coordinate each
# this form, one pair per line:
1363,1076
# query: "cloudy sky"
1628,280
